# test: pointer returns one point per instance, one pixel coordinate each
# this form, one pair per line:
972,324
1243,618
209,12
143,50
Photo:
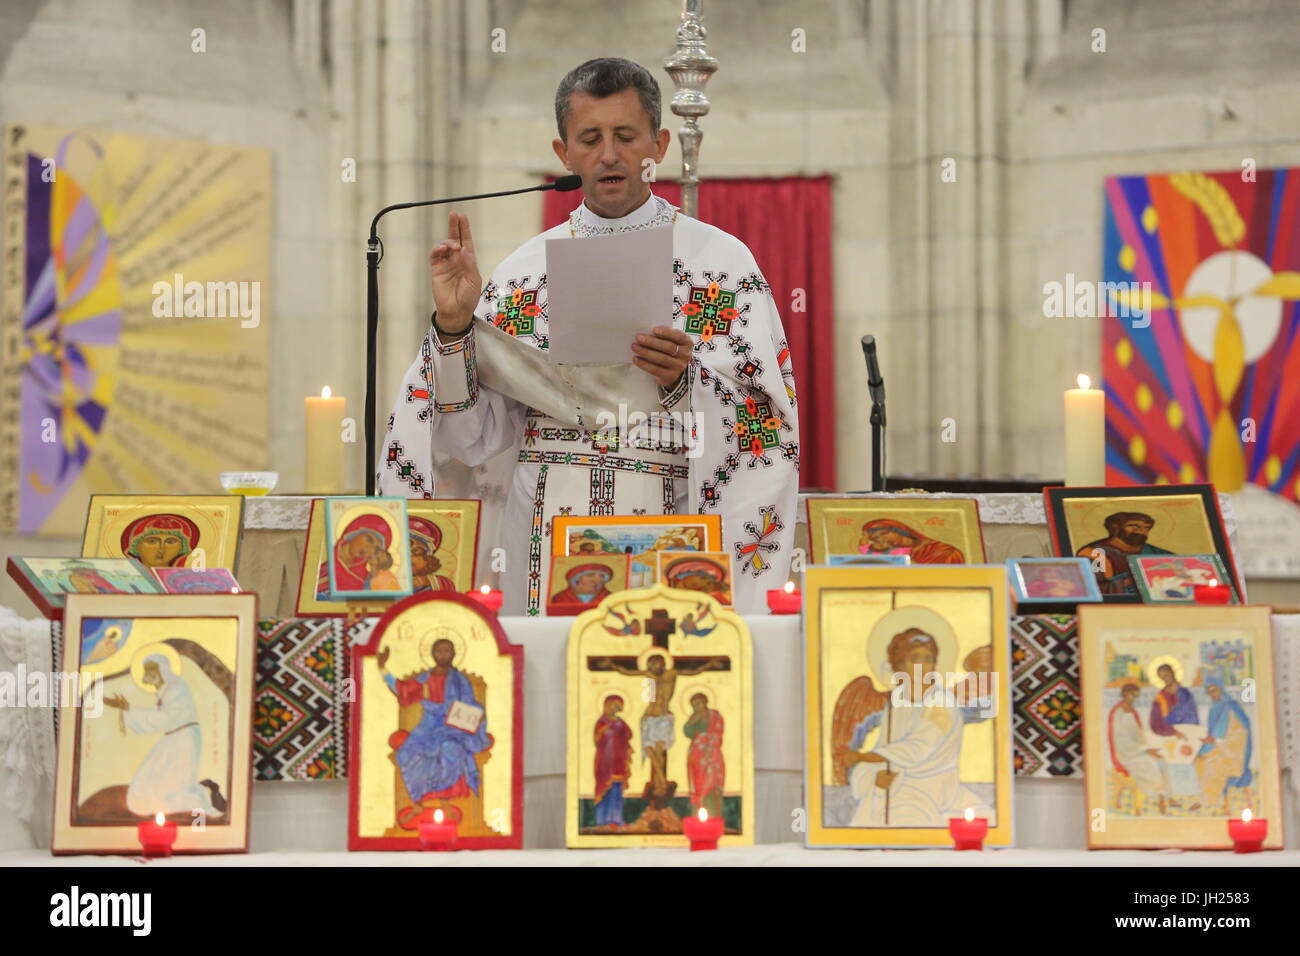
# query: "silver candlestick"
690,66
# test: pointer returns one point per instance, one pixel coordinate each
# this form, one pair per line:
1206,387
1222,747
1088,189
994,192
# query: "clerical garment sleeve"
443,408
744,428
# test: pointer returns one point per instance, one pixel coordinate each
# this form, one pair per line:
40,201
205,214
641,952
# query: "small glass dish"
249,482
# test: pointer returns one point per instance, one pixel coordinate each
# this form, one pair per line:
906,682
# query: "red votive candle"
701,831
436,833
490,598
788,600
1212,593
1247,833
157,836
968,832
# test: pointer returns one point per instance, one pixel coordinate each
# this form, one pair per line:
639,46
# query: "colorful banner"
134,304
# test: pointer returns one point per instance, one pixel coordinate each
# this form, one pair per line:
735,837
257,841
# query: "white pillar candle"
324,444
1085,435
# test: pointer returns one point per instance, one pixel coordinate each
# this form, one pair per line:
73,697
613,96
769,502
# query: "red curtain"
786,223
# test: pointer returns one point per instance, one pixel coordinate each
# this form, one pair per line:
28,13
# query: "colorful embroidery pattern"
535,544
617,463
405,469
462,346
709,310
517,312
751,554
1046,705
299,713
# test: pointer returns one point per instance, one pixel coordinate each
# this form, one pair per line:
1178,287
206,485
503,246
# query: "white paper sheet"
603,290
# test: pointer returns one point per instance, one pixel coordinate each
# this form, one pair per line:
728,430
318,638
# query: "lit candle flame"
1245,815
160,819
789,587
704,815
970,814
1214,582
485,589
325,392
437,816
1084,381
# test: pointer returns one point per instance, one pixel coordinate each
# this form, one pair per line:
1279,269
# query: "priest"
724,438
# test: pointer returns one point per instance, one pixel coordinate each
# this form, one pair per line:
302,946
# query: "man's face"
1130,696
443,653
612,707
606,142
656,665
1165,673
1215,692
1135,532
151,674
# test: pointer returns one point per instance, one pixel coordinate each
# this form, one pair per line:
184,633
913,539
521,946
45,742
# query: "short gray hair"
605,77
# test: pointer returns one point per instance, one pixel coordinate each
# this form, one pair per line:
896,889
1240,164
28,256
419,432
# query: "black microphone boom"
374,253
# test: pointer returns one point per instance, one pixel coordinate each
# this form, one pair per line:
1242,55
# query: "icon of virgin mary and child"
363,557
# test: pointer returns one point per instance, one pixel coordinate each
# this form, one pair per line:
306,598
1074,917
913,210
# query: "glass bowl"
249,482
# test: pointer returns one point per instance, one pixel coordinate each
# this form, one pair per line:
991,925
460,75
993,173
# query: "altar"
305,822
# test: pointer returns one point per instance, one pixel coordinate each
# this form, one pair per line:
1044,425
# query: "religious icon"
1180,731
437,725
47,581
369,548
443,542
660,711
708,572
925,530
158,721
1172,579
640,536
584,580
1041,582
908,704
165,531
196,580
1110,526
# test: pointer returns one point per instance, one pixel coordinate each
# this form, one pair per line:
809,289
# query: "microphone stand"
876,385
374,253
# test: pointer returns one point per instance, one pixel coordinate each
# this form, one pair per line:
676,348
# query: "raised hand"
456,280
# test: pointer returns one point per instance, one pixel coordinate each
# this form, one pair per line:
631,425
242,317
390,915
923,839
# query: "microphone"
873,367
876,386
374,253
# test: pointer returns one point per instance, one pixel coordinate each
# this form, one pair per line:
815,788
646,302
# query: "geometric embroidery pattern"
407,472
709,311
1046,706
299,730
517,312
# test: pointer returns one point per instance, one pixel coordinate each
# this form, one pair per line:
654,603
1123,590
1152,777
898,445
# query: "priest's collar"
653,212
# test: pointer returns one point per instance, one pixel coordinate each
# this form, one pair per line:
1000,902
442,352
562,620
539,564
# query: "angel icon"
626,626
692,623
